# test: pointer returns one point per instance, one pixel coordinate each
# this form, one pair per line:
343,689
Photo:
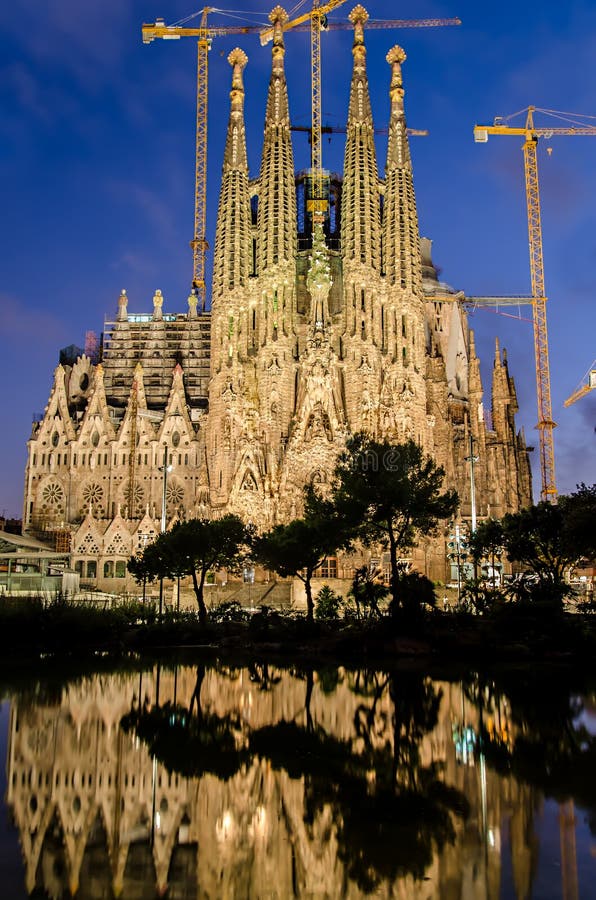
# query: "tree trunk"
196,694
310,606
198,588
394,572
308,698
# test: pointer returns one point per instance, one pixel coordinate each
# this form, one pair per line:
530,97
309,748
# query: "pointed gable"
176,420
88,538
96,419
57,420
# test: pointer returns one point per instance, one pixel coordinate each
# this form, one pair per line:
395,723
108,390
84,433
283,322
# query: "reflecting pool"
209,781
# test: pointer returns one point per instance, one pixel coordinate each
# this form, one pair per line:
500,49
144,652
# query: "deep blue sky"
97,169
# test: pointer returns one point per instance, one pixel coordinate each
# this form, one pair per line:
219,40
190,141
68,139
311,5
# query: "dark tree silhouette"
299,548
390,493
194,548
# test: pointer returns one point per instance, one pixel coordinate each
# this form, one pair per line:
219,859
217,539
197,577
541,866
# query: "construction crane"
587,384
531,134
134,409
205,35
342,129
569,883
317,22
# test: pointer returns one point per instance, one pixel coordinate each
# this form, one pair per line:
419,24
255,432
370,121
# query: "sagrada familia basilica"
316,331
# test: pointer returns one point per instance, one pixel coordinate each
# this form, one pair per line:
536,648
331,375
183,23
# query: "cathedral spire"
401,237
361,225
233,239
277,192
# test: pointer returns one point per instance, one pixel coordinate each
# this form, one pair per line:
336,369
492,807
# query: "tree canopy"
194,548
546,539
390,493
299,548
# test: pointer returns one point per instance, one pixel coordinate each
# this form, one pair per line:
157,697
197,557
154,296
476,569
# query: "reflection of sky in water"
11,866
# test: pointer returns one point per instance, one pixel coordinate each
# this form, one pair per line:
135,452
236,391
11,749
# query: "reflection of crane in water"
568,854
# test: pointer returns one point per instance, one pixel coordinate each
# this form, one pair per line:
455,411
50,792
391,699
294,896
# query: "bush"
327,604
414,592
228,611
367,593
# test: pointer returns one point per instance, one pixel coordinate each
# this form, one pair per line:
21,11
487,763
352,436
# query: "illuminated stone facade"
316,333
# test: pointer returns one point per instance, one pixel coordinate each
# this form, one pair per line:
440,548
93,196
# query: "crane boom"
376,24
342,129
583,389
317,19
531,135
304,20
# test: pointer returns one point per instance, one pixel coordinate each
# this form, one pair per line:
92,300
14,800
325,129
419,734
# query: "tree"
390,493
194,548
328,604
579,510
297,550
551,538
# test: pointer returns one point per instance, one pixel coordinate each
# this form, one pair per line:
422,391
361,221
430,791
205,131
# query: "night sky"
97,178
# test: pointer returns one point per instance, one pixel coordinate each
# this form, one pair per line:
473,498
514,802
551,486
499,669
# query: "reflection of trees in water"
547,744
391,814
190,743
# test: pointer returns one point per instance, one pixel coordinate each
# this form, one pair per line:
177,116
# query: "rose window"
38,739
93,493
175,498
175,494
138,497
53,494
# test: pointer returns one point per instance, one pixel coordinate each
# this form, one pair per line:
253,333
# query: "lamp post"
458,551
473,460
165,468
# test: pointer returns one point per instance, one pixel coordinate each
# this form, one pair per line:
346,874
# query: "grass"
32,629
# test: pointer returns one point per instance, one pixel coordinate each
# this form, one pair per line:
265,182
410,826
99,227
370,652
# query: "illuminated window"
328,568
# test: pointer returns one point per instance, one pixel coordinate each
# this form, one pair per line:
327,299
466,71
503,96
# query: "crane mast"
204,35
134,409
531,135
318,204
199,243
546,424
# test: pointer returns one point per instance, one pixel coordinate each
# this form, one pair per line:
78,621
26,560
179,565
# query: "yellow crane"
316,18
531,134
205,35
134,410
588,383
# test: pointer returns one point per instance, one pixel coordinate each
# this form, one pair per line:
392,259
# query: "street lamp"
165,468
472,460
458,552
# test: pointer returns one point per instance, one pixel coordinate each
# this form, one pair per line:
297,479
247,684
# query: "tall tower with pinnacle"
321,326
326,340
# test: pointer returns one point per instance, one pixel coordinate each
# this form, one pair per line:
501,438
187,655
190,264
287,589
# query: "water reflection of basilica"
98,817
